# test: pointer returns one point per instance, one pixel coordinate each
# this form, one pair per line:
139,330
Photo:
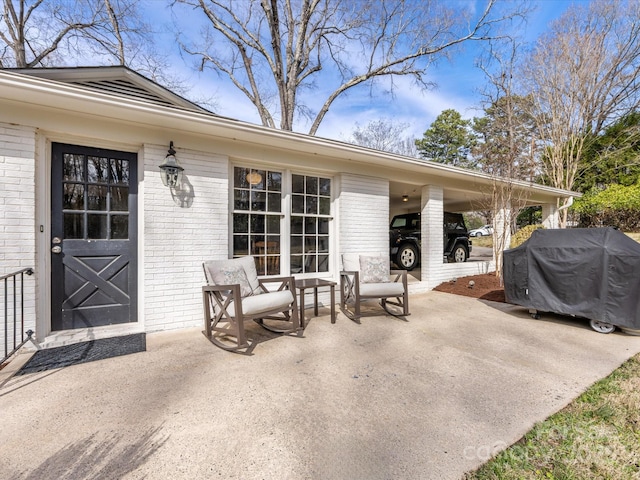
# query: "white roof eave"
62,96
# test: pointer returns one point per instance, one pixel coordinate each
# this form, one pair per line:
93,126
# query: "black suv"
404,236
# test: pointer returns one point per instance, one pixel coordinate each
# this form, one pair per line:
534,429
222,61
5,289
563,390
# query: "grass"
597,436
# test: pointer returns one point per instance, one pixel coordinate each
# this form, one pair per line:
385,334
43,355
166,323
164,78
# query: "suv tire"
459,255
407,257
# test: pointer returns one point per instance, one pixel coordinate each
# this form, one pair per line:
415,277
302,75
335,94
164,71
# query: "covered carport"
458,190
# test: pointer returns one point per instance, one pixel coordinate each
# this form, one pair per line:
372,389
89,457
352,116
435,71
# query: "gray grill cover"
588,272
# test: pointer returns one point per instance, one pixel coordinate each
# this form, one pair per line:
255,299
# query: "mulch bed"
485,286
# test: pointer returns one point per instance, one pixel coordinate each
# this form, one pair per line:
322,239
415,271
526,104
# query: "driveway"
428,398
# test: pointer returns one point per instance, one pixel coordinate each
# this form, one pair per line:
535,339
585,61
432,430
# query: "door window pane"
119,199
73,168
97,170
120,171
96,197
73,225
119,227
72,196
97,226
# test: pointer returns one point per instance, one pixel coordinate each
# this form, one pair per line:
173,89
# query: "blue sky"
459,82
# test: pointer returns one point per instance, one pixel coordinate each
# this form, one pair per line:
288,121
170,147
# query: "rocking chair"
235,294
366,277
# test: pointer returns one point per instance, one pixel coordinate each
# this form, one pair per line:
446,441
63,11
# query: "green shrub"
615,206
523,235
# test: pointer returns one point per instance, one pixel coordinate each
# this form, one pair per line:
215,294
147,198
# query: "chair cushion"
265,302
247,263
385,289
230,274
351,262
374,269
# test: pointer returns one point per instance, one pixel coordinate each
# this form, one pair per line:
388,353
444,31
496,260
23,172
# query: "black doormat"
83,352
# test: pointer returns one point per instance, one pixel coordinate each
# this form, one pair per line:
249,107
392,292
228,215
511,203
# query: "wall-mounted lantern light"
171,173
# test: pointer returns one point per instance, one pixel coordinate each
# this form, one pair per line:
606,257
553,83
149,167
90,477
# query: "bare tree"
583,75
384,135
53,33
273,50
505,149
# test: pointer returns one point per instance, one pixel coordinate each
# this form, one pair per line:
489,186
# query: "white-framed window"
310,219
267,205
257,212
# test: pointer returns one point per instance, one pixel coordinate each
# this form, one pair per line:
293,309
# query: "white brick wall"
364,214
17,214
180,232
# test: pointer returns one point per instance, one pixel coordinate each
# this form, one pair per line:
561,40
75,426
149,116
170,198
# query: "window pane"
312,186
97,197
256,179
310,263
297,184
73,197
73,225
296,244
323,244
241,199
97,226
273,265
296,263
325,187
323,263
312,205
240,245
309,225
310,244
97,170
297,204
258,201
273,244
296,224
240,177
257,244
73,167
119,199
120,171
273,224
274,202
240,223
274,181
325,206
119,227
323,226
257,224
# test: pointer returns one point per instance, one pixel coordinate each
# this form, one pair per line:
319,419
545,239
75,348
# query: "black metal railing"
15,335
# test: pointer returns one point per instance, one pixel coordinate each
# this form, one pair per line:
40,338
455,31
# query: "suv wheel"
407,257
459,255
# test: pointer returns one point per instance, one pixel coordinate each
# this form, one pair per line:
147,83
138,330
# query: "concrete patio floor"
429,398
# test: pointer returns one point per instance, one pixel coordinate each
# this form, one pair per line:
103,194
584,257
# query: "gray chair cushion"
257,304
212,267
388,289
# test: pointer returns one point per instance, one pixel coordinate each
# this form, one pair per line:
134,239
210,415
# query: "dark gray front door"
93,237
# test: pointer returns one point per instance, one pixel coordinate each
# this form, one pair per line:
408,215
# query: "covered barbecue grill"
587,272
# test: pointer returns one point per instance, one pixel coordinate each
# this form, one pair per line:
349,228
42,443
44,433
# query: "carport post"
432,218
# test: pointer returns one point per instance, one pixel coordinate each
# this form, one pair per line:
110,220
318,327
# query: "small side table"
314,283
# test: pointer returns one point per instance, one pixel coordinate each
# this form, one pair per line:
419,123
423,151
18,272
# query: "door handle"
56,249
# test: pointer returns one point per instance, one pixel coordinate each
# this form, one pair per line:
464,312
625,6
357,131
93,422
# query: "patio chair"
366,277
234,294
